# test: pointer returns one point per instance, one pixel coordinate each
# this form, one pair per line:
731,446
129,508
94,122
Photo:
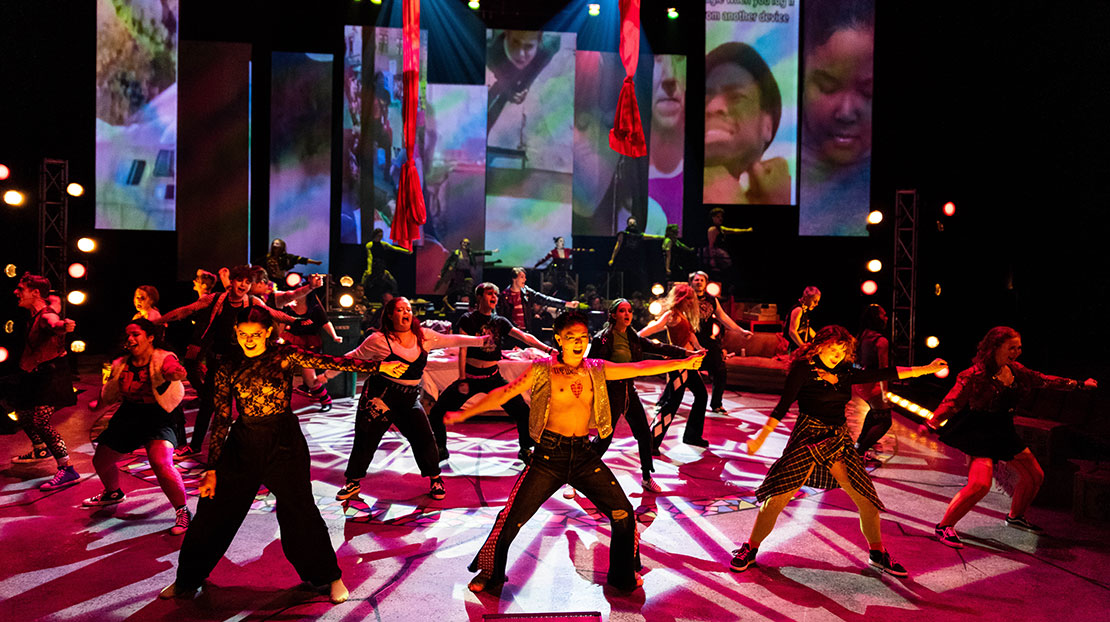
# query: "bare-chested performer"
568,398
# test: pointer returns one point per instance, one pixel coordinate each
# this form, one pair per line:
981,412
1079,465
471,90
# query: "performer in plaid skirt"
820,452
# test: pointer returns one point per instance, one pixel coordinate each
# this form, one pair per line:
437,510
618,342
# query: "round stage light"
473,4
86,245
10,270
657,289
293,279
874,265
713,289
76,297
77,270
595,10
9,326
875,217
14,198
942,373
3,354
77,346
931,342
75,189
869,287
346,301
4,172
672,13
949,209
346,281
936,289
655,308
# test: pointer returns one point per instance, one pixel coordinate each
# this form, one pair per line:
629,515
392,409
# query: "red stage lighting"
942,373
949,208
3,354
77,270
869,287
875,217
713,289
4,172
293,279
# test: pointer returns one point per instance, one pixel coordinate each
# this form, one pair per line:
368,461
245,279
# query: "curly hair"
829,335
988,347
681,299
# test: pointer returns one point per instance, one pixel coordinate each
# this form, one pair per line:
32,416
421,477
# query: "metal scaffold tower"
53,210
904,307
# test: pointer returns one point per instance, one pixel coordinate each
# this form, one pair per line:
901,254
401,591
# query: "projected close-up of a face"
838,92
736,129
668,95
521,46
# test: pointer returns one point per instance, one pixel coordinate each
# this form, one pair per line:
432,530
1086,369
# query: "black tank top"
416,368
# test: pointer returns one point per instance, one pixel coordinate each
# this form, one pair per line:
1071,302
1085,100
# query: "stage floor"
404,556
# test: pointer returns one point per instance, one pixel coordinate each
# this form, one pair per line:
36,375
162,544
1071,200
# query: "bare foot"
339,592
483,582
172,591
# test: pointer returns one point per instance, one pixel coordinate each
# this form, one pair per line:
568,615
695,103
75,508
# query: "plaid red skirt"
815,445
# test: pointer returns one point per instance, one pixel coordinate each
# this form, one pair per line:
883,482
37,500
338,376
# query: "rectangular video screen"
751,102
136,114
300,153
837,84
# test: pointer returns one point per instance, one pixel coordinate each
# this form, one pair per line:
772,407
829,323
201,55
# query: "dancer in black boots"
389,402
264,447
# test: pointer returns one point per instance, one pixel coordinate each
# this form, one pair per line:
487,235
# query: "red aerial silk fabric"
627,135
410,212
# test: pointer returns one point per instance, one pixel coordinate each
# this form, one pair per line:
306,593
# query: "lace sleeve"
221,420
312,360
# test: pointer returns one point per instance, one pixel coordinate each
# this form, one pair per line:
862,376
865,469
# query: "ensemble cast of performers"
233,358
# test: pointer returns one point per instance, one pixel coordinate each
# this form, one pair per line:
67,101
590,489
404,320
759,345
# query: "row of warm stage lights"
869,287
76,270
593,9
16,198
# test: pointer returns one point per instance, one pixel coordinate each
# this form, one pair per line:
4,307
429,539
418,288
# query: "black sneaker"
743,558
696,442
350,489
66,476
719,410
882,561
35,455
947,536
107,497
1019,522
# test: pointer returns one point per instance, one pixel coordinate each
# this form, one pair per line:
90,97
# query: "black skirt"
135,424
983,434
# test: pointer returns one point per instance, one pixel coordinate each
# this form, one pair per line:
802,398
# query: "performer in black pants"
264,447
569,397
478,372
617,342
712,316
389,402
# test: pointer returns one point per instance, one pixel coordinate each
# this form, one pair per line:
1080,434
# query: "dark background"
997,106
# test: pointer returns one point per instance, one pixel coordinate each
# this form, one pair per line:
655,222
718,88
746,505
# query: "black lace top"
262,386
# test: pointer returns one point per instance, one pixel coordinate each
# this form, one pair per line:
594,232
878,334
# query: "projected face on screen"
836,126
666,144
520,47
737,129
838,89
